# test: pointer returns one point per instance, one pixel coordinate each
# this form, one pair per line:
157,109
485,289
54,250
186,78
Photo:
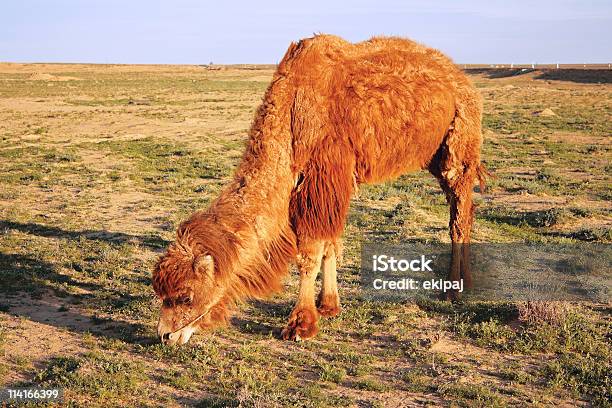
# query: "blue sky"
196,32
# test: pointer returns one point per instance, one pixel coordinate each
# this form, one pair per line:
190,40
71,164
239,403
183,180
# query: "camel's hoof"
328,306
302,325
329,311
451,296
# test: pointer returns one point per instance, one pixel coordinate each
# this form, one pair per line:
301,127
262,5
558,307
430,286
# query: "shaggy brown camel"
335,115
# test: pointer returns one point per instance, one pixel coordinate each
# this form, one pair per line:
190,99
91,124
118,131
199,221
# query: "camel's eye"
184,300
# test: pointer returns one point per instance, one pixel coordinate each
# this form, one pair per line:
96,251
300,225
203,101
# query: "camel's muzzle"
180,336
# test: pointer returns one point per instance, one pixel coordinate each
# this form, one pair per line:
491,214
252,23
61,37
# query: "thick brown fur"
335,115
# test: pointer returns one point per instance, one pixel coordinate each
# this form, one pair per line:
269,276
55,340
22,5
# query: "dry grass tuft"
538,312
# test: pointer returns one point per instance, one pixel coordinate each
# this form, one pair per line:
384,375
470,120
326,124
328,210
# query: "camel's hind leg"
456,166
328,302
459,197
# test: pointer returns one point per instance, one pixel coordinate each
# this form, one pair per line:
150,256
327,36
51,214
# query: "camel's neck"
252,215
255,206
261,189
247,229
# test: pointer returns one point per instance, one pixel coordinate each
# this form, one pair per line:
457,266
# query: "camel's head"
186,286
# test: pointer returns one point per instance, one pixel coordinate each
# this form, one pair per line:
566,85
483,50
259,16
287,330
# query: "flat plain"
100,163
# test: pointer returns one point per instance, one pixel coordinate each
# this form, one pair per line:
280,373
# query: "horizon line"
487,64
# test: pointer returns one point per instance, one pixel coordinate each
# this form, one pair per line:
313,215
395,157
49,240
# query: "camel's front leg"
328,303
304,317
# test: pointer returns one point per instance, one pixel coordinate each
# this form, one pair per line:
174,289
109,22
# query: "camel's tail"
482,174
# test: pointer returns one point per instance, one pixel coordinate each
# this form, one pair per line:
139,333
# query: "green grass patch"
102,376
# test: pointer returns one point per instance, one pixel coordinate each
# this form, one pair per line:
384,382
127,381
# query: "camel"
336,115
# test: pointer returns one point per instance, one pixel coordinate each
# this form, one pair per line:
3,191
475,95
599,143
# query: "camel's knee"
461,223
310,255
334,249
309,258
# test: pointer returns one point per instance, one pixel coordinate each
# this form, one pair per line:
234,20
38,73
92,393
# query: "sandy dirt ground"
100,163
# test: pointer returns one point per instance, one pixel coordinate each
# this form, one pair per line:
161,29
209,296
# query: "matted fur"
335,115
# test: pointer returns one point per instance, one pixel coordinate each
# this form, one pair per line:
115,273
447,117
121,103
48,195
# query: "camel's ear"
204,265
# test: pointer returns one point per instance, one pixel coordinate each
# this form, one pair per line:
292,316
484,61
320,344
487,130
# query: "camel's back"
399,57
390,99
